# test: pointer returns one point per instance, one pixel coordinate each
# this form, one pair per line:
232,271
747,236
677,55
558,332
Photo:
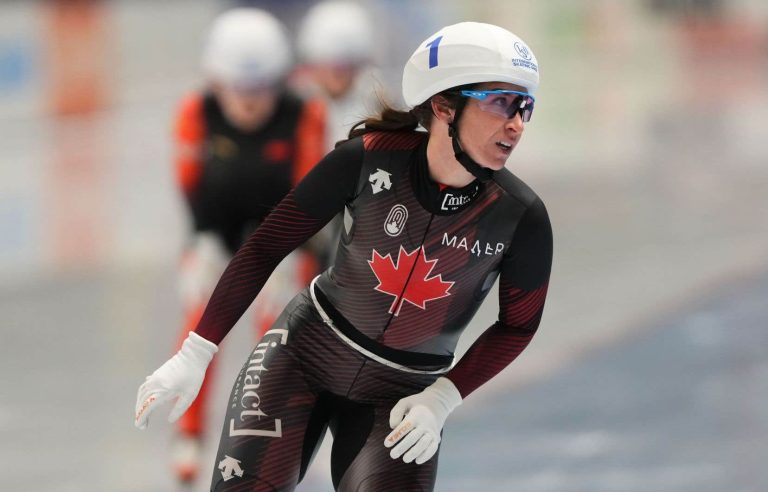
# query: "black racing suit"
239,175
414,262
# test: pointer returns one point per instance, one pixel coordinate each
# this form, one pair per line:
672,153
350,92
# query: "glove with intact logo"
418,419
180,377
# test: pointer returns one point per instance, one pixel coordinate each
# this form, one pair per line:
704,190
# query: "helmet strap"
475,169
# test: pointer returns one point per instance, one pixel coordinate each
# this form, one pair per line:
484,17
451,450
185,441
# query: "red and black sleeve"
523,283
304,211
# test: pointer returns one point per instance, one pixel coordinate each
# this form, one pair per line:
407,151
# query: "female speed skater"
432,219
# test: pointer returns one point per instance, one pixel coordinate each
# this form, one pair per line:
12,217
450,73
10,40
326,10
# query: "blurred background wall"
649,146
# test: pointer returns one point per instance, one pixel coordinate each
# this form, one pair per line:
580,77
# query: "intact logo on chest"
454,200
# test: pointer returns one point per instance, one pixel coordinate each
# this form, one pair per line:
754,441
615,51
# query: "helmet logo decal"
523,51
433,51
395,222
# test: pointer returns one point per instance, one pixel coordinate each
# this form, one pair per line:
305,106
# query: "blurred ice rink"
649,146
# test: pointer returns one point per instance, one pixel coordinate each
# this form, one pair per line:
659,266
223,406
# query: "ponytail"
390,119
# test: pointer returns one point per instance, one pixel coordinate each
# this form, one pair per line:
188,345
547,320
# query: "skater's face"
487,131
336,80
247,109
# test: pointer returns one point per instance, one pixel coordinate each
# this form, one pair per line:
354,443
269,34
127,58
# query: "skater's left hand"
180,377
418,419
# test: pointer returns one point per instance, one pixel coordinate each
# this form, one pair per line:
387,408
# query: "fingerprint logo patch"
395,222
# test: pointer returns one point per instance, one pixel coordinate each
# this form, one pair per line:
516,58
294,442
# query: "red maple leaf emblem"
408,280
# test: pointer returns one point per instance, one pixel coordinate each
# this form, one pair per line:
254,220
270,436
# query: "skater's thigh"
271,415
361,463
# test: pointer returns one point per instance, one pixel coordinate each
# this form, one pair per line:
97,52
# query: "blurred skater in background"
335,45
242,142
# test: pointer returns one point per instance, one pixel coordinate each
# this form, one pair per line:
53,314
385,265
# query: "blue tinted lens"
505,103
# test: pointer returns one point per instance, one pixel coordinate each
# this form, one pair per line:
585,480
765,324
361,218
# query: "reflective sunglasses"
506,103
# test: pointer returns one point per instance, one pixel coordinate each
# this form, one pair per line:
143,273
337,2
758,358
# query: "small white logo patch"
452,202
395,222
230,467
380,180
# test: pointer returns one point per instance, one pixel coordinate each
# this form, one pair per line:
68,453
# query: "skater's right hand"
180,377
417,421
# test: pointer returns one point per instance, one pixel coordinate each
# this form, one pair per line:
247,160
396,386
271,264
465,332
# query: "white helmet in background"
468,53
336,32
247,47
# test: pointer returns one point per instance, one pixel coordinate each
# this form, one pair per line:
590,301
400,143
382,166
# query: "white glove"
180,377
425,413
202,264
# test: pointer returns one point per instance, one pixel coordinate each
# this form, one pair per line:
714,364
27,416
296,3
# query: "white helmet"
468,53
247,47
336,31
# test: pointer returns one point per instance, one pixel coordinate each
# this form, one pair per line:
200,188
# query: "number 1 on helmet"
433,51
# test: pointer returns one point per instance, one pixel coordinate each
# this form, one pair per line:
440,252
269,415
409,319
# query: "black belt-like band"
402,357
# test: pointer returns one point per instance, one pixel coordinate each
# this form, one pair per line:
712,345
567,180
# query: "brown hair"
393,120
